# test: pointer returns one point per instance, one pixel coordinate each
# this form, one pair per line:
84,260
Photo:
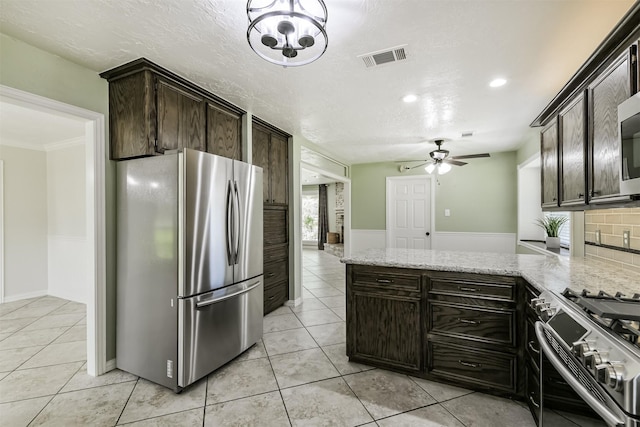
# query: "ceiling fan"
440,161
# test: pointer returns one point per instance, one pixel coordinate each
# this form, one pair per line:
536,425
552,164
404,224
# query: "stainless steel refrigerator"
189,264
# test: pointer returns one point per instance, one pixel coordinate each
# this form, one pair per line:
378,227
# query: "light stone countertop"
544,272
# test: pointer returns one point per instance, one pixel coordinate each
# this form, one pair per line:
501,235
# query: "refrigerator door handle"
236,212
208,302
230,256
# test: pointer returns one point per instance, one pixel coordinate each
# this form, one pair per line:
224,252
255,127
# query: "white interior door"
409,212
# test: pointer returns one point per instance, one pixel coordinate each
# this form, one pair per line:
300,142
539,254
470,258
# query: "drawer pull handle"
271,297
470,322
532,400
384,281
467,289
532,347
469,364
271,274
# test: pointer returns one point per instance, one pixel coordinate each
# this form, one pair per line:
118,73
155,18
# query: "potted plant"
552,225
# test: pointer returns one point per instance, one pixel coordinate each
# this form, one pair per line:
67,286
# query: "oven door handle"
607,415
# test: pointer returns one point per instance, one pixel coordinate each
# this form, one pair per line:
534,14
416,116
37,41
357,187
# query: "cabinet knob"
427,233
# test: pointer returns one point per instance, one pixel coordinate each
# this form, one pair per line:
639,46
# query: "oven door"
577,377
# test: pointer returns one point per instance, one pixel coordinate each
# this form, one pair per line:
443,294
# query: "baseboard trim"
34,294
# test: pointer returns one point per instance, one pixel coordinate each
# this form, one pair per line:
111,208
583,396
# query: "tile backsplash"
612,223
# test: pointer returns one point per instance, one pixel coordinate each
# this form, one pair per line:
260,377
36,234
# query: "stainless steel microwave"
629,127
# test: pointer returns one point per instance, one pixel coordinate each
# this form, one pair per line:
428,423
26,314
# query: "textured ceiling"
454,49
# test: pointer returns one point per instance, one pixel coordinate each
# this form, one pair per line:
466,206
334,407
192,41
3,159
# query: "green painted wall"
33,70
481,195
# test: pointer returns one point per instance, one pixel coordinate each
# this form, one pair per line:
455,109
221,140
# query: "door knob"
427,233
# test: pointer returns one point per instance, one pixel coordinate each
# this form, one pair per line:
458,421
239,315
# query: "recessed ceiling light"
497,82
410,98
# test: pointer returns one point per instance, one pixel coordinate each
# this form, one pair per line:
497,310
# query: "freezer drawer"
215,327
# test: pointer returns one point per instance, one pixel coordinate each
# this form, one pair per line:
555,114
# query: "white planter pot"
553,242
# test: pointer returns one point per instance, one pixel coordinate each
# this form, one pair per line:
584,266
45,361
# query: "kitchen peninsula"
461,317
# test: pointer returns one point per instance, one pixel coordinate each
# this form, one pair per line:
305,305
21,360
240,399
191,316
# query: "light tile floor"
297,375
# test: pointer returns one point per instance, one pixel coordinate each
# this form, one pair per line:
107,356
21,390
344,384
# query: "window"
310,215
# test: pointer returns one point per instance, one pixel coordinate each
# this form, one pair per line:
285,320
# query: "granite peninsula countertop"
542,271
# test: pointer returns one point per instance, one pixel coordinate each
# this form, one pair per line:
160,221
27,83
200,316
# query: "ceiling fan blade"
413,167
412,161
454,162
471,156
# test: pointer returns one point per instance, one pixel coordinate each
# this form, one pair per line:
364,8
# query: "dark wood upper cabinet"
132,116
152,110
609,90
279,166
261,158
270,152
224,132
181,120
549,164
572,142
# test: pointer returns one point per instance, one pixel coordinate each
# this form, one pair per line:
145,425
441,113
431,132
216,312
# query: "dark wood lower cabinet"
470,330
386,330
490,369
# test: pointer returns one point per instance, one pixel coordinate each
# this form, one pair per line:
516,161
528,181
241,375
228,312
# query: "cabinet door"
181,119
224,133
572,149
549,169
279,167
611,89
132,116
260,145
384,329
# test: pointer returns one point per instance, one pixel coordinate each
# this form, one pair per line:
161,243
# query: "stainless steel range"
594,343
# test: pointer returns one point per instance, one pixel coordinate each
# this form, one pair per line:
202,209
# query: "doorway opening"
86,241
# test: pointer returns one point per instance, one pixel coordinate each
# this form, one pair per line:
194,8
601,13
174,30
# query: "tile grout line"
127,402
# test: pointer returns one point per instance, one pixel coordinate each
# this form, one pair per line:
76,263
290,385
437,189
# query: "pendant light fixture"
287,32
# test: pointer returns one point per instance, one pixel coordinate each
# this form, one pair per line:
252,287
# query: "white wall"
529,202
25,222
66,205
331,206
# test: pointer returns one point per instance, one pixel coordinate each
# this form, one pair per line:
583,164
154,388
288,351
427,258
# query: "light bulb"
443,168
430,167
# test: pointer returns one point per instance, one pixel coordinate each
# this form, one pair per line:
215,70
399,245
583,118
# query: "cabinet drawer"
385,277
474,285
275,226
485,368
275,296
478,323
275,272
275,253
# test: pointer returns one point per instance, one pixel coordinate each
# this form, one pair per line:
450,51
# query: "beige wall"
25,222
611,223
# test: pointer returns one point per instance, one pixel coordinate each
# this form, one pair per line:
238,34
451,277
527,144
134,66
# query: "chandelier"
287,32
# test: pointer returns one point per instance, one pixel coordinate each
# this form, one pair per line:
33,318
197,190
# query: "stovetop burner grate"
617,313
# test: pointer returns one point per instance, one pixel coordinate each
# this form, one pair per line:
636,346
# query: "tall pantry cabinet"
270,152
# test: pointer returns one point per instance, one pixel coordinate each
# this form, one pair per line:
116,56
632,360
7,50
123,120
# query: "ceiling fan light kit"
290,33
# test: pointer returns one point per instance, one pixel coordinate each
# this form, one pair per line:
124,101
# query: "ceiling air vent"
385,56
